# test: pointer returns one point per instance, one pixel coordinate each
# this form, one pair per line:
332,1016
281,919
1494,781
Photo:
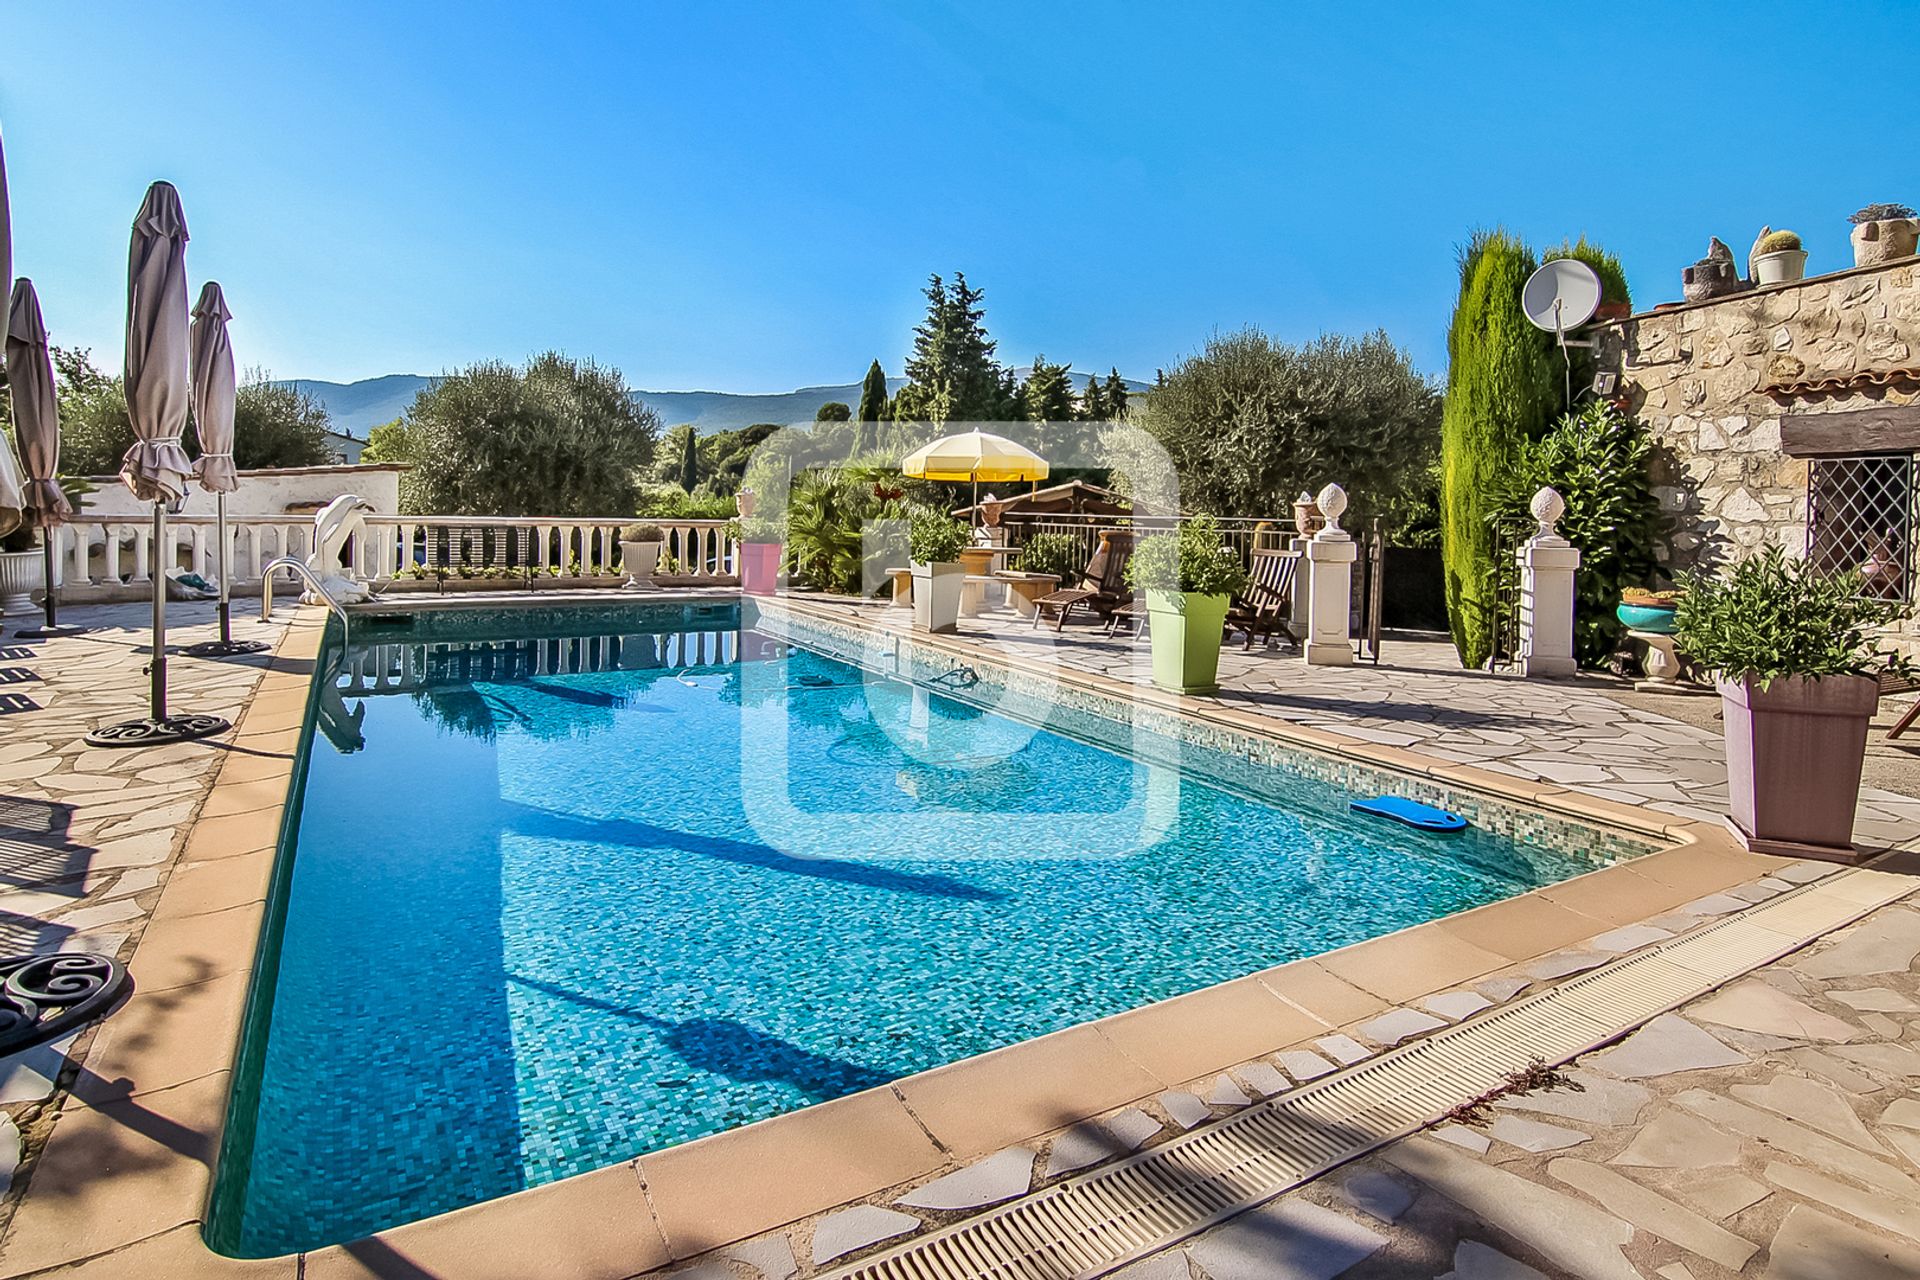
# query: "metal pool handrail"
301,571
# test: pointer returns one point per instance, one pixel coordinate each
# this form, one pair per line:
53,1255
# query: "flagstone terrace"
110,851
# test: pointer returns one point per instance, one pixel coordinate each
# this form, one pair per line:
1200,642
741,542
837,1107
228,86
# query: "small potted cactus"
1884,233
1778,258
640,547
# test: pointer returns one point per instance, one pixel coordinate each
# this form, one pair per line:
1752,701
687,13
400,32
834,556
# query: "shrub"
1613,278
934,538
559,437
1502,389
1882,213
1772,616
1778,242
1054,553
643,533
1192,560
1597,459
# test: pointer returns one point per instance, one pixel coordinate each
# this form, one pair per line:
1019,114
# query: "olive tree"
558,437
1250,421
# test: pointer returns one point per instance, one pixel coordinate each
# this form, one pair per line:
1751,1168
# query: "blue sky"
747,197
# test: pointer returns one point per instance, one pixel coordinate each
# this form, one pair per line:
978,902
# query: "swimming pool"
567,889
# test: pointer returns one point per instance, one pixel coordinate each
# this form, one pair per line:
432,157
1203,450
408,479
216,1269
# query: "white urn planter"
640,559
936,596
1780,267
1887,240
20,575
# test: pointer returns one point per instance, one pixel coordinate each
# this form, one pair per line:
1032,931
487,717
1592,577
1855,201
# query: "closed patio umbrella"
6,228
36,425
213,403
156,468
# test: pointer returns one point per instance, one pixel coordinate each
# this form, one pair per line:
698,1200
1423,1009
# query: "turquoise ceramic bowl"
1641,617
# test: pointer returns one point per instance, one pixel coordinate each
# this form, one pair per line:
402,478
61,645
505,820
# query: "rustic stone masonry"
1696,374
1699,376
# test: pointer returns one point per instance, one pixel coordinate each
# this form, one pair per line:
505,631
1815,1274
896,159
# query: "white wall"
265,493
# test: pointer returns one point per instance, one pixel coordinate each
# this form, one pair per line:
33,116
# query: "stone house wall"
1697,374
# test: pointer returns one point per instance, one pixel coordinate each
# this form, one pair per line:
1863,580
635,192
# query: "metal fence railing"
1243,533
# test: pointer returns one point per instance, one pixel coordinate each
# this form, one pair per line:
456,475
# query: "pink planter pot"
1794,752
760,568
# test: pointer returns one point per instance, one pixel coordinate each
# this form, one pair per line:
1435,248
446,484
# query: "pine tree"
952,375
1502,391
690,460
1115,398
1048,395
1093,401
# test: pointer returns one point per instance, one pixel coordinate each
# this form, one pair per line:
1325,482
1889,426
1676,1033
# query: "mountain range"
358,407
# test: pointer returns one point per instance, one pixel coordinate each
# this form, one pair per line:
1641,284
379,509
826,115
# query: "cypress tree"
1093,401
1502,390
873,408
690,460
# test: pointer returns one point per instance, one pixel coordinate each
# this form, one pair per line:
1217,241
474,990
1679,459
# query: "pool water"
546,913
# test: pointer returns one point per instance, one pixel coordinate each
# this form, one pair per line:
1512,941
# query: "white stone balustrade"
112,557
104,558
394,543
1547,564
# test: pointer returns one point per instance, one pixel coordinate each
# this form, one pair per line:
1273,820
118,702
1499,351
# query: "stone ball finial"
1547,507
1332,502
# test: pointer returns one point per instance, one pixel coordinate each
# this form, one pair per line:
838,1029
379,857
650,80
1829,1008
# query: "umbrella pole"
226,617
47,603
158,668
158,728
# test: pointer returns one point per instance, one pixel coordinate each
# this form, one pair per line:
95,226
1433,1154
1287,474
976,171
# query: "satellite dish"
1561,295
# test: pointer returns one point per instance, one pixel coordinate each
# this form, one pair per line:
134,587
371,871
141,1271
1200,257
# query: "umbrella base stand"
224,648
155,733
50,633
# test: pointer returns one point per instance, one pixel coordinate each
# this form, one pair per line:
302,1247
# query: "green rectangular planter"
1186,628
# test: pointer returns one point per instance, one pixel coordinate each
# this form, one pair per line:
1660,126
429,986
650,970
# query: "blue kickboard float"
1423,816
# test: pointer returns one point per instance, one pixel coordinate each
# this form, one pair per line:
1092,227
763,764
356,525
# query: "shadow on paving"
34,848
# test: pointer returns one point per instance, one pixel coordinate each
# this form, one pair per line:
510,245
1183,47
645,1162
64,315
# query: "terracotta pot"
1613,311
1794,754
1887,240
760,568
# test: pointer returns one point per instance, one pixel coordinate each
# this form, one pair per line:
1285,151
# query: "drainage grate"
1095,1222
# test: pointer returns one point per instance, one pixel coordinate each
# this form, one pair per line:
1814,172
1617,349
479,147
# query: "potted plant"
640,547
1884,233
760,547
1189,578
934,544
1651,611
1791,649
1778,258
21,568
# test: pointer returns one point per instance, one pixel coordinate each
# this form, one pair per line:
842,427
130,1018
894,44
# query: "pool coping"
128,1172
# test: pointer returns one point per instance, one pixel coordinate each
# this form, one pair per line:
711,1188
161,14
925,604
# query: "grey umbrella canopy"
213,391
159,389
6,226
36,413
157,383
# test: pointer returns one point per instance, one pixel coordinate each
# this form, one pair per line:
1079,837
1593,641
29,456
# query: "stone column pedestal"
1329,587
1547,563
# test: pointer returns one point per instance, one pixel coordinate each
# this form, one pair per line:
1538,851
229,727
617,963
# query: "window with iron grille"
1860,518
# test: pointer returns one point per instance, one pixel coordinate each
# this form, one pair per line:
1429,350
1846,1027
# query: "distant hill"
358,407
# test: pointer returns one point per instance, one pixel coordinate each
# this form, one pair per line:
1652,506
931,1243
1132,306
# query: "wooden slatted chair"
1102,587
1891,682
1262,607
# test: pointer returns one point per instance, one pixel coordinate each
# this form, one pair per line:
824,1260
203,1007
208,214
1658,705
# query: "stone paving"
88,835
1573,733
1771,1130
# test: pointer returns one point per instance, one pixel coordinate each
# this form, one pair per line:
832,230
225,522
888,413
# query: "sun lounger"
1103,587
